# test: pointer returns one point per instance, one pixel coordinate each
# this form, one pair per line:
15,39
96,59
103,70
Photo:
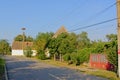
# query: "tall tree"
41,43
4,47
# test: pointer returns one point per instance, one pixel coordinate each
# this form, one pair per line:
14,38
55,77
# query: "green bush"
41,55
75,58
66,57
28,52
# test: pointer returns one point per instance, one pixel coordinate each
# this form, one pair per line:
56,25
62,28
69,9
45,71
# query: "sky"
49,15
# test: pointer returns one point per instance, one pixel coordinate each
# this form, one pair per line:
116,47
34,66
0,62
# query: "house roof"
17,45
59,31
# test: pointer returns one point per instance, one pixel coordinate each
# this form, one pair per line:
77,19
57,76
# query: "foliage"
67,57
41,42
111,50
111,37
28,52
64,43
84,54
83,40
19,38
29,39
76,48
26,38
41,55
4,47
98,46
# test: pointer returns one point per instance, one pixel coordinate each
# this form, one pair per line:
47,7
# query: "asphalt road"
21,68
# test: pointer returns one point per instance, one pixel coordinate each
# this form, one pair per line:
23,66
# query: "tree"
41,42
111,37
83,40
111,50
65,43
4,47
29,38
20,38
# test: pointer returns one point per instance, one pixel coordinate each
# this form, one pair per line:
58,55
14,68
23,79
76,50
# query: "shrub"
75,58
66,57
41,55
28,52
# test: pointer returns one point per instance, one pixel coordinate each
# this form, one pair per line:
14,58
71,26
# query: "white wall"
21,53
17,52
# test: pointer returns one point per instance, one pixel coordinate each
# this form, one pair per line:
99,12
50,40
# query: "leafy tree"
64,43
4,47
111,50
29,38
111,37
20,38
83,40
41,41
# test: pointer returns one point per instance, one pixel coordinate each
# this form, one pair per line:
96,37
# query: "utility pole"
23,29
118,25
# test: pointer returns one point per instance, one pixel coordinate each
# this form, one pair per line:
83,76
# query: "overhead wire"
92,25
97,14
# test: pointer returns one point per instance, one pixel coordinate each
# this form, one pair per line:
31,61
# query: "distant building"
17,48
59,31
100,61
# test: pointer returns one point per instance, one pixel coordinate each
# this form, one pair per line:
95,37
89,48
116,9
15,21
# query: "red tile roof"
17,45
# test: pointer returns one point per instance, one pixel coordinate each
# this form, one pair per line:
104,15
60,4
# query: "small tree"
4,47
28,52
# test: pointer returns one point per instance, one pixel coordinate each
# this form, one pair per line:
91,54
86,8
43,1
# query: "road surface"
21,68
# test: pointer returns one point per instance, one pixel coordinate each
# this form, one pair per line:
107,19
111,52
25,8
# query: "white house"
18,47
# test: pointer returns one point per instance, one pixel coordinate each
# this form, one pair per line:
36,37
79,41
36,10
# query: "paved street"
21,68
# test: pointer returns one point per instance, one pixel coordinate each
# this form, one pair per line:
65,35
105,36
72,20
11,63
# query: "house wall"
17,52
21,53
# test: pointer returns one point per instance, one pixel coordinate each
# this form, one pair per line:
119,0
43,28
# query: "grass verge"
85,69
2,68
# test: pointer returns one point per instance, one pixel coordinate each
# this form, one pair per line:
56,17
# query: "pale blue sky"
48,15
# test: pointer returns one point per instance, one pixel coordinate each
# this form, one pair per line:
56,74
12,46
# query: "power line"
84,27
98,14
103,11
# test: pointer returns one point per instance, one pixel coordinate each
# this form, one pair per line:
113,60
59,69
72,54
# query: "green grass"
85,69
104,73
2,63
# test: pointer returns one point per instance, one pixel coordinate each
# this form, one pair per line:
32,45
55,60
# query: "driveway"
21,68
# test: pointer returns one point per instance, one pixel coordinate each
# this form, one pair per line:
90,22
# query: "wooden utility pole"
118,24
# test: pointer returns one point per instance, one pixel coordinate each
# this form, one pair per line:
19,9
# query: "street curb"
6,74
